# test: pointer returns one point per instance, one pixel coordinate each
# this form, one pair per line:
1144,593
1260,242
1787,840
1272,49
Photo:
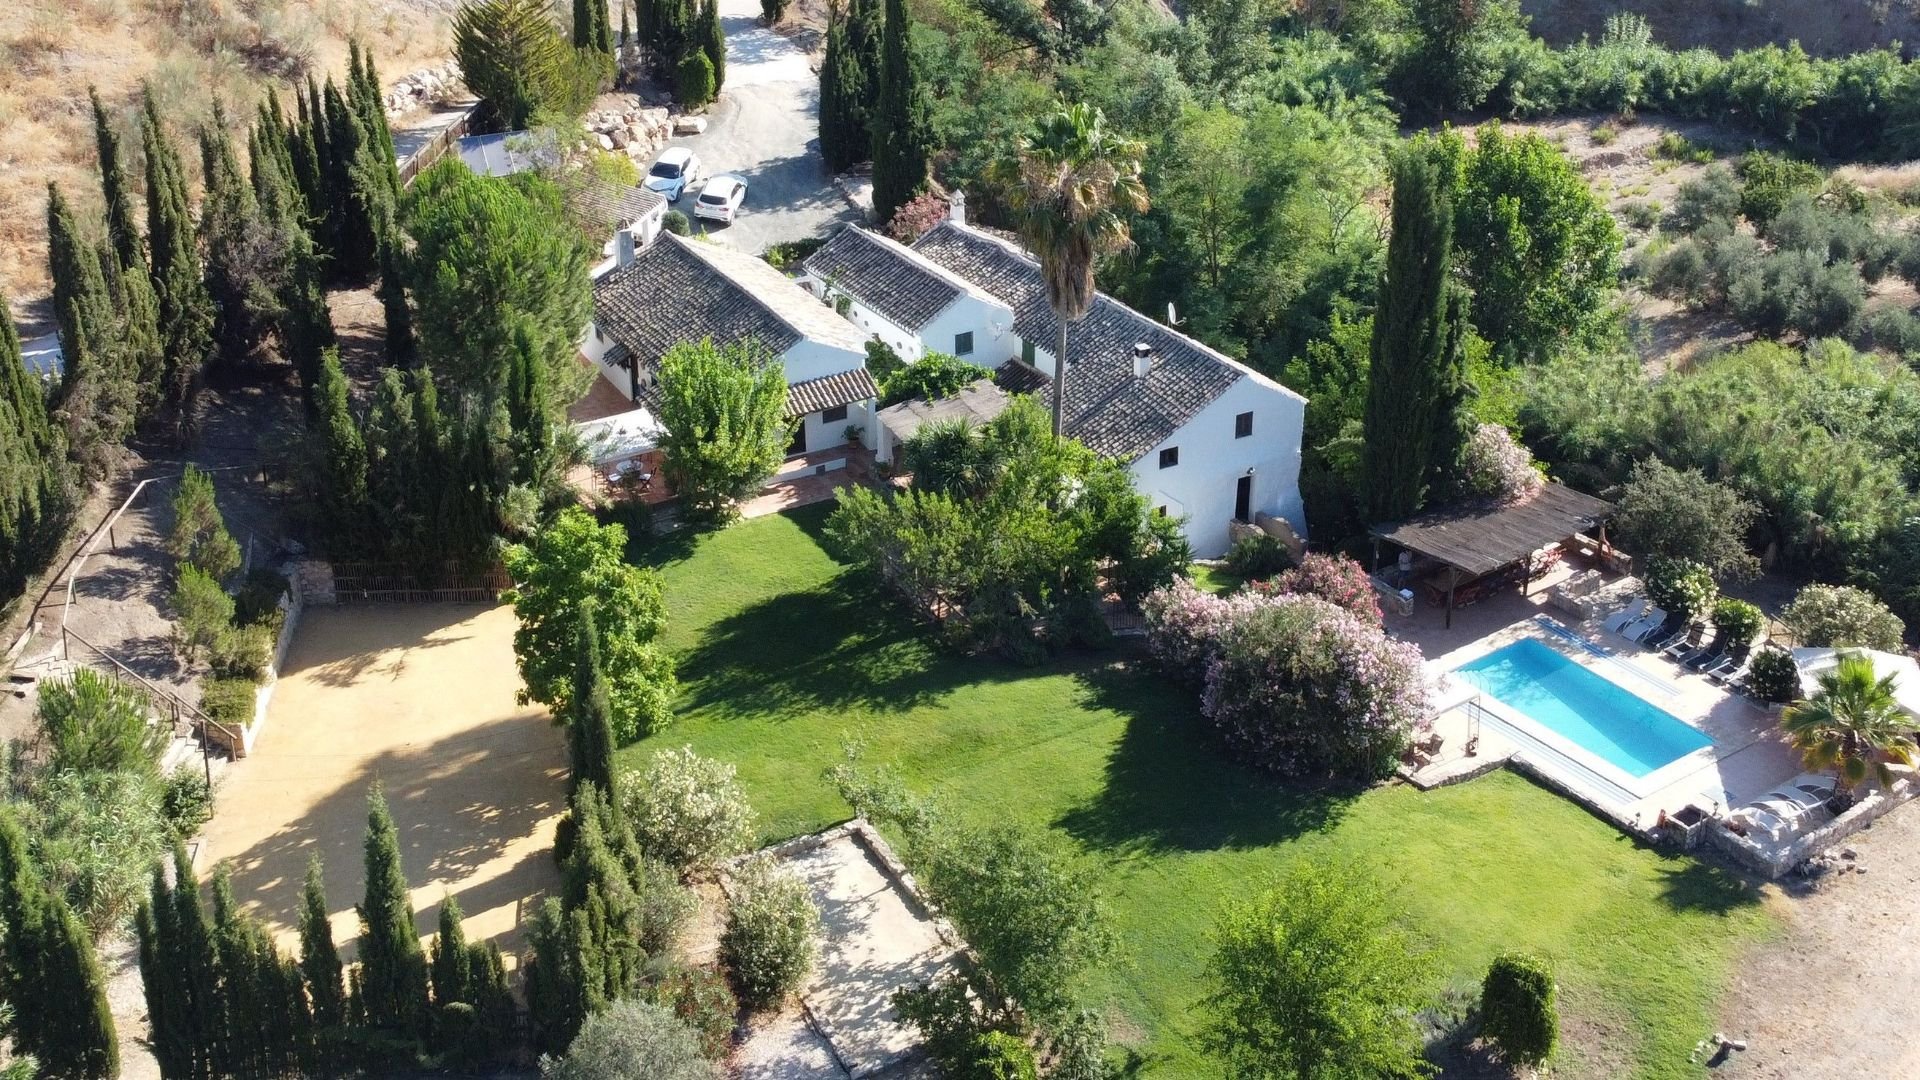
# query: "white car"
673,172
720,199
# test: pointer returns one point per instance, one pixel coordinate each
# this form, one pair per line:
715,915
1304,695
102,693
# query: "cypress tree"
528,413
583,24
866,26
844,139
366,99
122,232
33,467
319,968
902,131
50,974
144,358
242,274
343,483
591,731
714,41
97,396
467,502
452,960
180,973
392,977
186,311
305,324
402,347
626,28
309,174
354,184
1414,343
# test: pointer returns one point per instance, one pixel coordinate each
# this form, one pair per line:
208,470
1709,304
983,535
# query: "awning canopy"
978,401
1481,538
619,437
1905,672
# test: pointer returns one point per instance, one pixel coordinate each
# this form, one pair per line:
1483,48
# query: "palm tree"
1853,725
1068,183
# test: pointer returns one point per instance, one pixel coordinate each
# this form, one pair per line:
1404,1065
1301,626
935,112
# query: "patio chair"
1817,783
1759,820
1731,666
1806,800
1684,640
1644,625
1706,655
1618,621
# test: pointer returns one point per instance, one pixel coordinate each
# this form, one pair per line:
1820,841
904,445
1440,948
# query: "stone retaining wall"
1773,863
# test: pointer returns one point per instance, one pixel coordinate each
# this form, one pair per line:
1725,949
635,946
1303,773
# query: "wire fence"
392,583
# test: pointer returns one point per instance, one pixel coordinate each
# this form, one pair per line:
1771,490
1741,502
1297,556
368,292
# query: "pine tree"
392,976
97,397
902,130
319,969
844,139
713,40
343,483
186,311
452,960
1416,344
49,973
590,732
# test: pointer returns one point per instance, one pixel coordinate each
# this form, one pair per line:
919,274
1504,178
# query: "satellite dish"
1172,318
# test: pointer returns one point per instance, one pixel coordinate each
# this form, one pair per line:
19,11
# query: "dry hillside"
1823,27
192,52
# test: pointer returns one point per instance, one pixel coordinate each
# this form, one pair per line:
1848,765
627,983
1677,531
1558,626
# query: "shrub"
772,11
1774,677
1185,625
934,376
1253,558
186,800
629,1039
1894,329
677,223
228,701
1715,196
920,213
789,254
882,361
1682,588
1000,1056
1841,615
664,905
686,810
1493,465
241,652
97,835
203,611
693,80
770,937
1603,134
257,602
949,1025
1641,215
1682,273
1738,622
1303,688
1079,1050
95,722
1768,180
199,537
1336,579
1674,146
1517,1008
702,1000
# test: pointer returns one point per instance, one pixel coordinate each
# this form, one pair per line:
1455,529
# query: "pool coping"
1638,787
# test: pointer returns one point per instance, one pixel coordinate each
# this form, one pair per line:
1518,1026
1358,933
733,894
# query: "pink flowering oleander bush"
1334,578
1293,683
1494,465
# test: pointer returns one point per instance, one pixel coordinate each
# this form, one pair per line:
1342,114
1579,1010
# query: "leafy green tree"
1684,589
1852,724
199,536
723,409
494,261
1312,980
693,79
343,479
844,138
934,376
1453,58
1539,250
511,55
391,981
1680,514
95,722
95,835
50,974
97,398
1517,1008
1841,616
901,127
566,562
632,1038
186,309
1415,370
1070,184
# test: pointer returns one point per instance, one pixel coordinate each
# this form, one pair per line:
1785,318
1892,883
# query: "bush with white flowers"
686,810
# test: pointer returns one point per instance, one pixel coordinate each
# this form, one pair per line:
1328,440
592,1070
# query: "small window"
1160,511
1169,457
1026,353
1243,425
833,415
963,344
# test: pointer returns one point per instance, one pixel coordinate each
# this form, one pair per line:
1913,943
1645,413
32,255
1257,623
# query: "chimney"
623,247
957,208
1142,359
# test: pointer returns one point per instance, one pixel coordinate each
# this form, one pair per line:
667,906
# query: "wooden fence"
436,148
387,583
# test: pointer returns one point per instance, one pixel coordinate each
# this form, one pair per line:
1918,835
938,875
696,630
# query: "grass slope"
782,658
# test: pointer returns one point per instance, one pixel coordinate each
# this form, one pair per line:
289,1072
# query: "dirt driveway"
419,697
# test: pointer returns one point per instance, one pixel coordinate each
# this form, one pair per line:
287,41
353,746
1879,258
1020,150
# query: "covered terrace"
1456,555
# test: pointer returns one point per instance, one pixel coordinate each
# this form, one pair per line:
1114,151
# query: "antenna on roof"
1172,318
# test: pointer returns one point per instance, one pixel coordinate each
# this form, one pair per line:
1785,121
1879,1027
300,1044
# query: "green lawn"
781,658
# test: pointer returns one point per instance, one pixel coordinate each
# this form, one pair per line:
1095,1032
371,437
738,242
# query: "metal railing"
171,706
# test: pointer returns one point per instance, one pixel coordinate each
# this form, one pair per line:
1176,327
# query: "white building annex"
1206,437
683,290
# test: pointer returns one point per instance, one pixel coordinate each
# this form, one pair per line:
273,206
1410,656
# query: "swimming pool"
1559,694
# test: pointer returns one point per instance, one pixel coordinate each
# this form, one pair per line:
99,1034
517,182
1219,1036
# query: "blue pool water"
1559,694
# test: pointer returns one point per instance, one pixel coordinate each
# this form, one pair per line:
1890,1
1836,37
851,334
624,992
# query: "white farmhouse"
1206,437
681,290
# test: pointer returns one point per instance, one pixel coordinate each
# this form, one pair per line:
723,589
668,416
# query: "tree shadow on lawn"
1687,883
839,646
1169,786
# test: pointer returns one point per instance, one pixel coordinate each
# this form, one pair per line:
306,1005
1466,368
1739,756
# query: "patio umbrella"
1903,668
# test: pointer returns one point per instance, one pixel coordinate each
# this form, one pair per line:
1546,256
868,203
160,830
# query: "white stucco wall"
821,434
1202,485
991,324
809,359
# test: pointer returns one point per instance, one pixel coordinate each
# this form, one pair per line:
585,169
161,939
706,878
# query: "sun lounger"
1758,819
1685,641
1644,625
1728,671
1705,656
1618,620
1805,800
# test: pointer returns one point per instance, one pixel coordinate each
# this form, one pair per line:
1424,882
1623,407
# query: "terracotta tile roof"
886,276
830,392
668,295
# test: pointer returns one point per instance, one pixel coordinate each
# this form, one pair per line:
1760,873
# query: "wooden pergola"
1475,540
